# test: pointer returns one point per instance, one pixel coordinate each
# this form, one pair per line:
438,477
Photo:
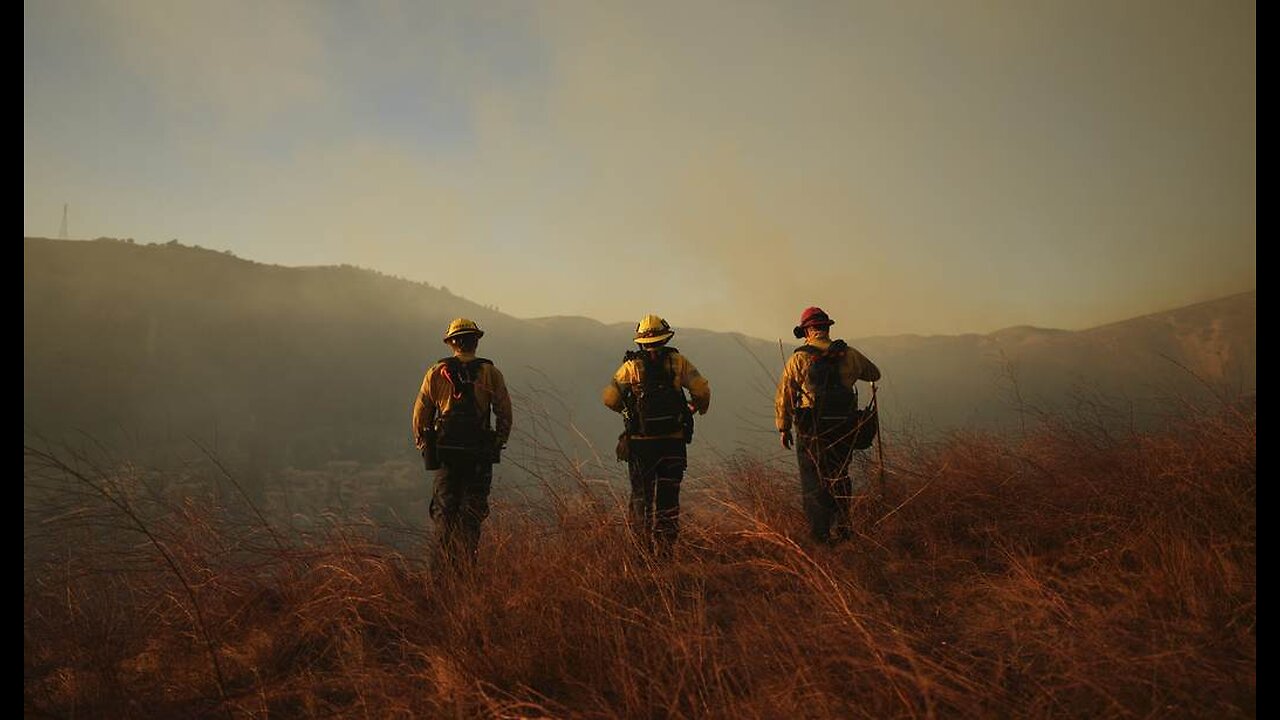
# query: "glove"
623,449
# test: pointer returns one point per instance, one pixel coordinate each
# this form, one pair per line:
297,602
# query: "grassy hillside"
1070,572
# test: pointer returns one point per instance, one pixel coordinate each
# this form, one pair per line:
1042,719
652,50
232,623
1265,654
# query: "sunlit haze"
923,167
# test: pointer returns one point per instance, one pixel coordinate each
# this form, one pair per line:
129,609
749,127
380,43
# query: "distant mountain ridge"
303,365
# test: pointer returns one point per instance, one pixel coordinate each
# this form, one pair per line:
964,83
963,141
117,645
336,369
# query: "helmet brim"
798,330
466,331
655,339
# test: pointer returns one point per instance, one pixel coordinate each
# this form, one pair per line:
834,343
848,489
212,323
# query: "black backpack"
833,414
657,405
463,427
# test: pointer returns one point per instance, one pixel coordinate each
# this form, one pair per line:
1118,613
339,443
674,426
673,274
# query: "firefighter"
649,391
817,398
452,428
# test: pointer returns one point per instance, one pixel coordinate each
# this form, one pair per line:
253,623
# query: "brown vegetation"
1071,572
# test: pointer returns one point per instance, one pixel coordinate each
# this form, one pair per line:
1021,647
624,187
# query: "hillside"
145,345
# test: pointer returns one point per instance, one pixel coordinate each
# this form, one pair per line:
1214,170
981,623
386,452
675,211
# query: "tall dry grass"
1072,571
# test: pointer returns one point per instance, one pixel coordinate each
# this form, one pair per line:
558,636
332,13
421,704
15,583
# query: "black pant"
459,505
656,469
825,487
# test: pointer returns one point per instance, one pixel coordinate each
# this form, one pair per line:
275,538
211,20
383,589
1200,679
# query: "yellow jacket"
791,392
436,395
630,376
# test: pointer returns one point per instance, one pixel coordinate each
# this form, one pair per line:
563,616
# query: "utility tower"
62,231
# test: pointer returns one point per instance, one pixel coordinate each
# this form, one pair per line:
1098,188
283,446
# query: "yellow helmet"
463,326
653,329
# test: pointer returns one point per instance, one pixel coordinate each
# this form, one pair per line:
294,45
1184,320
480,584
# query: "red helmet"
812,317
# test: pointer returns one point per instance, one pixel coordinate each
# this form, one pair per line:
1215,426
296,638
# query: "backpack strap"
837,347
453,360
665,354
462,375
663,351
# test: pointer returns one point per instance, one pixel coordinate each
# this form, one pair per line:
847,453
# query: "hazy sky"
932,167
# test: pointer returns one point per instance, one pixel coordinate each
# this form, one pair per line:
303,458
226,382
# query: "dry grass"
1069,572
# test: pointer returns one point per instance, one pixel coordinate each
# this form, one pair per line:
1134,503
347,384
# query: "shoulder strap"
453,363
462,375
663,362
667,364
838,347
663,351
